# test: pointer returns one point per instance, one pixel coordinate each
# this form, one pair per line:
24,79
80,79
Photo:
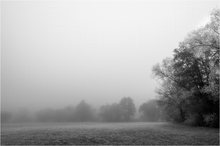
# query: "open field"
107,133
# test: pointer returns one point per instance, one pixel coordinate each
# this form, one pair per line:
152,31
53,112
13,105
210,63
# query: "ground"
134,133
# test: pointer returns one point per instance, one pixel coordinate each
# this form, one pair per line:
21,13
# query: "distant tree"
22,115
6,116
69,113
46,115
56,115
150,111
84,112
127,109
111,113
64,115
122,111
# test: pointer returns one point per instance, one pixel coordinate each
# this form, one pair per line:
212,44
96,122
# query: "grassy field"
107,133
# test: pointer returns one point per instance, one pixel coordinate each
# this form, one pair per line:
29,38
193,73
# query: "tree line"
189,91
123,111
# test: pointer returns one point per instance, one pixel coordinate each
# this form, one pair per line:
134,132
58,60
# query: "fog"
55,54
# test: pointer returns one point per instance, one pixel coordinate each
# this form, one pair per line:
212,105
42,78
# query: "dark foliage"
190,80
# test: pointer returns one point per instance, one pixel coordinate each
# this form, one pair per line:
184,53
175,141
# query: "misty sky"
56,53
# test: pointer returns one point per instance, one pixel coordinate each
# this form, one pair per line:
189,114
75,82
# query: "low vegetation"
133,133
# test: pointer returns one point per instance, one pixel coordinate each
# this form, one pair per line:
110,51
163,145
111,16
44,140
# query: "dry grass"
107,133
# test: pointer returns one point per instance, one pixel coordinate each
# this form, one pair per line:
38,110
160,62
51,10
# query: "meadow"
133,133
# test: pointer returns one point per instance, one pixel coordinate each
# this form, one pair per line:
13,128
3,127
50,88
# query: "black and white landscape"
110,72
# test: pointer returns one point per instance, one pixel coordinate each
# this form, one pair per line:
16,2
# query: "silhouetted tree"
111,113
150,111
84,112
127,109
122,111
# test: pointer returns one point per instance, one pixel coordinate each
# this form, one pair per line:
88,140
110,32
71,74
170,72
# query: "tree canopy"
190,80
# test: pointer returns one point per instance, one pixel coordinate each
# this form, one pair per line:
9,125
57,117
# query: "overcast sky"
56,53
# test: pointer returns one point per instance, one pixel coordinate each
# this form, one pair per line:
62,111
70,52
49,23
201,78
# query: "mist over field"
57,53
110,72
